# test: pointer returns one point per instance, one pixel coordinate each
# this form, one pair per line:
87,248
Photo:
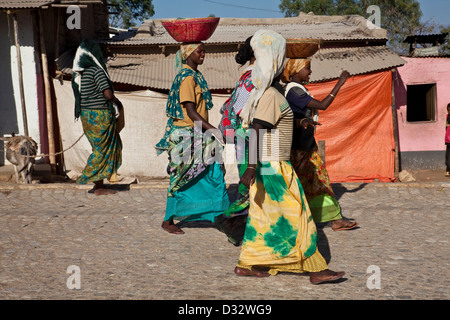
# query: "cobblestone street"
400,251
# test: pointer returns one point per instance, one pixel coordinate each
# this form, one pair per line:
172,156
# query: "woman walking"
98,109
231,125
232,223
280,234
305,157
197,189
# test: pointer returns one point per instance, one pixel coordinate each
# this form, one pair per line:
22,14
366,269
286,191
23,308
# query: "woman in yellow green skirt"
98,109
280,234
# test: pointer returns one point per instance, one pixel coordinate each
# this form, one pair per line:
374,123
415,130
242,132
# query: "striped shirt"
274,112
93,83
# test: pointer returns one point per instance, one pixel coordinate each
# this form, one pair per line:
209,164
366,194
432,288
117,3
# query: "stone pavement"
57,241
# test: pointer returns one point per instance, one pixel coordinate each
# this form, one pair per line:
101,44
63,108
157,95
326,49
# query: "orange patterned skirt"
313,176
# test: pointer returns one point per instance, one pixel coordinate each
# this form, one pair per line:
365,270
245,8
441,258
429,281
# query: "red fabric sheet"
357,129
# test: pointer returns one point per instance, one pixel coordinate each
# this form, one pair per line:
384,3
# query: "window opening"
421,102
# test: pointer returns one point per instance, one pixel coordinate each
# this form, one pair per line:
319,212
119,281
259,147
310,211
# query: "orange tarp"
357,129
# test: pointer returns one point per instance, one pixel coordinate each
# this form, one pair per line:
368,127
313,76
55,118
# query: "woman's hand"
305,123
343,77
249,176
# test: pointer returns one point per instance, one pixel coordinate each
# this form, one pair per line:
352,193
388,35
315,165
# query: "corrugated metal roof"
328,64
23,4
222,72
157,71
427,38
32,4
220,69
235,30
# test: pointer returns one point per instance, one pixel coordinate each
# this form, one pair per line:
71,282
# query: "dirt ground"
43,174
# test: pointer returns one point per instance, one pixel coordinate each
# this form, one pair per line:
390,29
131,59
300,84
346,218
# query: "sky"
432,9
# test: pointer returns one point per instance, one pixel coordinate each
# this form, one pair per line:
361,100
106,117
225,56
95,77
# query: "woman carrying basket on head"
280,234
305,156
197,189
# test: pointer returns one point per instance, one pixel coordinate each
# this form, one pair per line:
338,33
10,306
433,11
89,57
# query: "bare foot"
325,276
103,191
170,227
254,272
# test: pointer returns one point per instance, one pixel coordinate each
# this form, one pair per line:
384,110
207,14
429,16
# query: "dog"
21,152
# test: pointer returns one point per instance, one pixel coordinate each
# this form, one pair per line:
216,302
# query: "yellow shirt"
190,92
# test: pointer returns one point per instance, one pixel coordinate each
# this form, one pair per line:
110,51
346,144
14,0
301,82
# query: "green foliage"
399,17
445,48
130,12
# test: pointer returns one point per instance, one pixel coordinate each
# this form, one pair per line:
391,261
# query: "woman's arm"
325,103
109,95
248,178
195,116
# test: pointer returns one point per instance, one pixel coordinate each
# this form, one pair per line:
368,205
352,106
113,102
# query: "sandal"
347,226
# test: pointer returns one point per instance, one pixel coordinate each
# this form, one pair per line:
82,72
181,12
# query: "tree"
129,12
399,17
445,48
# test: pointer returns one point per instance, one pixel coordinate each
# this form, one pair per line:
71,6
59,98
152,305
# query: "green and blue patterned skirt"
197,189
99,126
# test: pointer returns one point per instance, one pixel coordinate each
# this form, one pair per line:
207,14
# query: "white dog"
21,152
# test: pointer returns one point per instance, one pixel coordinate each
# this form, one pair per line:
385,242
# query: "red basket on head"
191,30
302,48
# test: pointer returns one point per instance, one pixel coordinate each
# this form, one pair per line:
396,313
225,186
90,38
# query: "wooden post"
395,126
19,67
48,96
57,33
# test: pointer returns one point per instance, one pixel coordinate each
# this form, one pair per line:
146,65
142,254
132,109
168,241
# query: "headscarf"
269,48
292,67
185,51
88,54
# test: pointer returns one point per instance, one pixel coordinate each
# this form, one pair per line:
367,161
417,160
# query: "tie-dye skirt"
99,126
280,233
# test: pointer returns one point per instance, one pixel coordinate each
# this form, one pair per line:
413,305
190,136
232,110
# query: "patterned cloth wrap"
88,54
231,128
173,106
197,189
280,233
99,125
308,165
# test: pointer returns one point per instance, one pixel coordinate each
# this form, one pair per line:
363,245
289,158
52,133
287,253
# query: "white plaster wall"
29,76
145,122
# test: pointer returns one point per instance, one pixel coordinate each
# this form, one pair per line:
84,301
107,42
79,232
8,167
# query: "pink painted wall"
422,136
